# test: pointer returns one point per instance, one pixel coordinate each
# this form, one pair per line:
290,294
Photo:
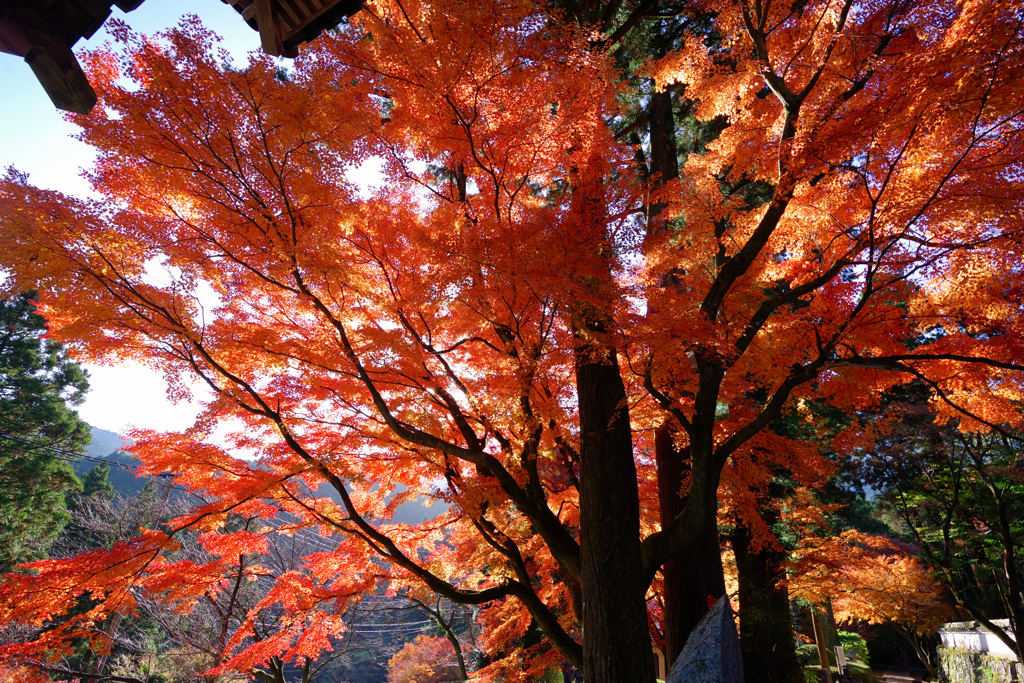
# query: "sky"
35,138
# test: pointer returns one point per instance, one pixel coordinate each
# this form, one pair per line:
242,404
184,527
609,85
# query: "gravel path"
899,676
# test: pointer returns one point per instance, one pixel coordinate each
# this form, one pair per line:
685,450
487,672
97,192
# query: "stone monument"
712,652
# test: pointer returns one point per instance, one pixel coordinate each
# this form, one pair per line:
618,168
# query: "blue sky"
35,138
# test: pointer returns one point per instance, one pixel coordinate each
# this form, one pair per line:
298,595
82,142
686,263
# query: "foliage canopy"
505,320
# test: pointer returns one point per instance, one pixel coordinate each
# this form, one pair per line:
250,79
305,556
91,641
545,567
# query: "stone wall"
973,637
960,666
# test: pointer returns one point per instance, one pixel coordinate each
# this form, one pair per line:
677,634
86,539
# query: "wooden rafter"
283,25
44,32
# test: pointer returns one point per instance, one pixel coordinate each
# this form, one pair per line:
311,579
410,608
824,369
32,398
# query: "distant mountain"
419,510
104,443
108,445
412,512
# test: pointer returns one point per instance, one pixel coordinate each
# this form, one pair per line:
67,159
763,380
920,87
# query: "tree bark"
616,636
689,581
766,624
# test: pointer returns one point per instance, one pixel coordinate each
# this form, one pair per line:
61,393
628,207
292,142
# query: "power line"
70,456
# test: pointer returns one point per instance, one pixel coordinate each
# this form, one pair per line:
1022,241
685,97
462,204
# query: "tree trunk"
616,637
110,630
1012,590
690,580
920,649
766,624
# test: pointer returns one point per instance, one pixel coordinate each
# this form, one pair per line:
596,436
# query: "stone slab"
712,652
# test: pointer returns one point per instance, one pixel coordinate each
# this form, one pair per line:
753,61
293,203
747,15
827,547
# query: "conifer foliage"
39,387
492,325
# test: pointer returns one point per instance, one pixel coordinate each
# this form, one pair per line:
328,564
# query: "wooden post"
662,673
819,639
265,21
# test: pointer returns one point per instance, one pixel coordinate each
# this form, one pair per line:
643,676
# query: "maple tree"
426,659
770,498
958,493
444,618
765,615
181,621
872,579
527,298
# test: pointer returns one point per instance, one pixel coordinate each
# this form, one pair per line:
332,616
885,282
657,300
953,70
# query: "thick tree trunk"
616,638
689,580
766,624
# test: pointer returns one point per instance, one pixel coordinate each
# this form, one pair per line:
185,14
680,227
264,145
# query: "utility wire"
70,456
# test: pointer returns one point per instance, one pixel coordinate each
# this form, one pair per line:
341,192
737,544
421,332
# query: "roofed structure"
43,32
285,24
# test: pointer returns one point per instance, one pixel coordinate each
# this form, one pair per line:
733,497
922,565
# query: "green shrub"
807,655
552,675
861,674
854,645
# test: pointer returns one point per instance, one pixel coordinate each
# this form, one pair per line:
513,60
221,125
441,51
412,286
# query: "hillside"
104,443
107,445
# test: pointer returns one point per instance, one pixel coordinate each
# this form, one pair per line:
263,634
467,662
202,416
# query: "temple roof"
283,25
43,32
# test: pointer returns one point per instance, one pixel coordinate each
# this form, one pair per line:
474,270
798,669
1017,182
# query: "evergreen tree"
97,483
39,385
